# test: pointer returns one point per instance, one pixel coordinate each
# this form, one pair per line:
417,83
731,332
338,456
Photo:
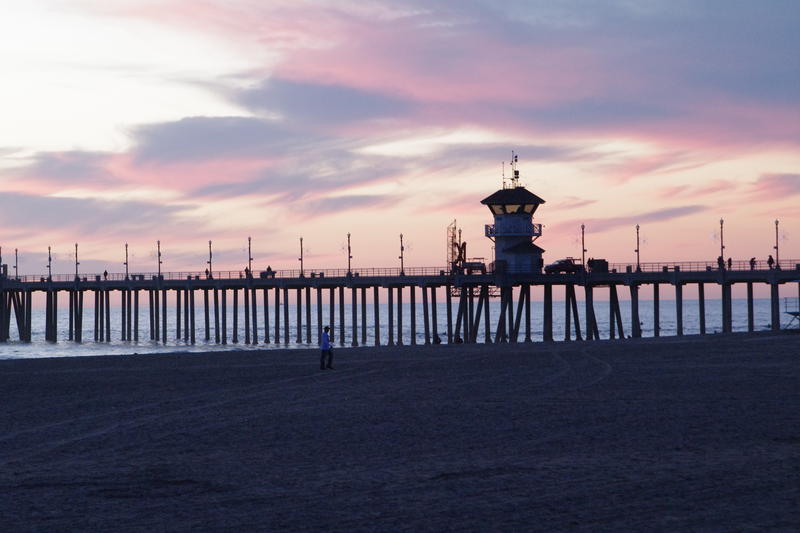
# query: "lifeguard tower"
514,231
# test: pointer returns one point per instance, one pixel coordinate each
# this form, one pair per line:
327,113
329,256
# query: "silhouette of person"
246,272
752,263
207,273
721,263
437,339
459,340
327,352
730,264
770,262
105,274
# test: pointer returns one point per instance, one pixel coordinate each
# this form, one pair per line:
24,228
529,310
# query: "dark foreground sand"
672,435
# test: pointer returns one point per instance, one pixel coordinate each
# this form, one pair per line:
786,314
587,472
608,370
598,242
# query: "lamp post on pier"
126,261
402,256
777,248
49,264
301,258
349,254
721,239
638,263
249,256
76,261
158,244
16,264
210,265
583,245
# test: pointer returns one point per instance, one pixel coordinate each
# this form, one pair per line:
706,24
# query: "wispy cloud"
774,186
598,225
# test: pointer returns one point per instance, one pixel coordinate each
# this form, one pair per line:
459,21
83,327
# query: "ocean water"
64,348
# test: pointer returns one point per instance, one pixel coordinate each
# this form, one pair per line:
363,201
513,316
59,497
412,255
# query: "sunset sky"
184,121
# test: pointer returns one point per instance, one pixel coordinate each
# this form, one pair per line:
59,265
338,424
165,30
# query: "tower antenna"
514,171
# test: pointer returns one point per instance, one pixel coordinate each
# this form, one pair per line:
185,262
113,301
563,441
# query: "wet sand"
670,434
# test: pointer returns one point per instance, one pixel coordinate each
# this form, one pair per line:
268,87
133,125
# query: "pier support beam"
727,318
286,316
390,305
254,313
547,313
308,314
701,300
412,306
319,313
775,310
750,321
354,315
341,315
376,310
679,308
636,324
224,297
399,315
363,316
656,311
265,299
434,317
235,332
246,292
192,329
425,316
449,299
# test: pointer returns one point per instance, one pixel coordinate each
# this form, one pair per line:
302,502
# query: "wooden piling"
376,311
701,301
636,324
656,312
254,311
341,315
390,305
354,315
399,315
547,313
425,317
679,308
750,321
286,316
412,306
224,297
235,331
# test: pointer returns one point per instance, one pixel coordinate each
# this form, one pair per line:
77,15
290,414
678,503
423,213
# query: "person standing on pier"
770,262
327,352
721,263
752,263
730,264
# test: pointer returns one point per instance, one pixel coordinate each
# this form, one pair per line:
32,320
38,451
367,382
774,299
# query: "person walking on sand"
325,346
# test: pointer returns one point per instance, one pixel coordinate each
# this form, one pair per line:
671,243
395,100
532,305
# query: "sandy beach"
671,434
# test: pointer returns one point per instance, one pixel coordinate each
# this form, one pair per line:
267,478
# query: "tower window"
512,208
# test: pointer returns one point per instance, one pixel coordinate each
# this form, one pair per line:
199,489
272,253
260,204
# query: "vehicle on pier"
568,265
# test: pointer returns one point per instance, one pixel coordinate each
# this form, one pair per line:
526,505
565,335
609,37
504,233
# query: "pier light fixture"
76,260
301,258
16,264
721,238
349,254
638,262
49,264
777,248
158,252
402,256
210,265
583,244
126,261
249,256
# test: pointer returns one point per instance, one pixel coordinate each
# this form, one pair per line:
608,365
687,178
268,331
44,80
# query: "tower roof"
517,195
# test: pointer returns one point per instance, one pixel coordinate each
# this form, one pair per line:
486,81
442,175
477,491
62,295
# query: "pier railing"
241,274
683,266
702,266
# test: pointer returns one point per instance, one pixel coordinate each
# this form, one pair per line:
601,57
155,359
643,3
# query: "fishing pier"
266,300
